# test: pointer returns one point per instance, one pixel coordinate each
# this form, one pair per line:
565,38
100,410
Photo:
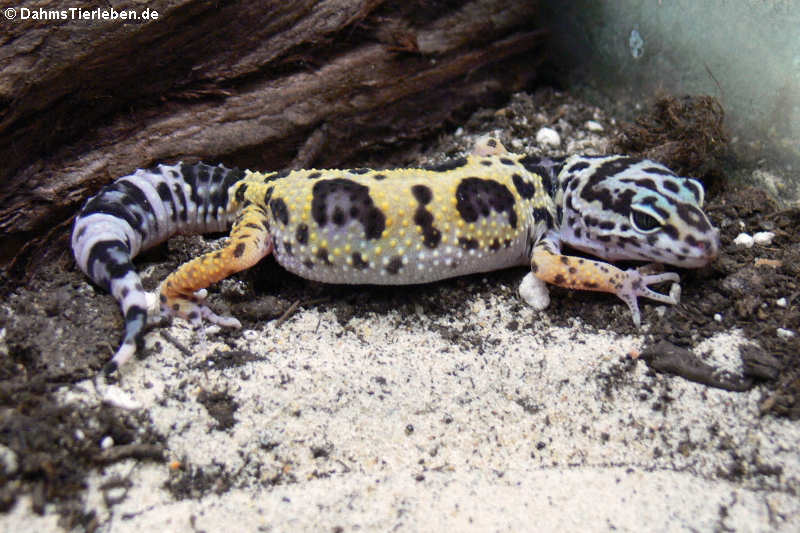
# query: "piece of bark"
262,85
667,357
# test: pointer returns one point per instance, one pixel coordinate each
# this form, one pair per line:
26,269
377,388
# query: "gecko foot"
636,285
194,310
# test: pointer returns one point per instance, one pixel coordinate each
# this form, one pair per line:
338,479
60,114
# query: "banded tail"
137,212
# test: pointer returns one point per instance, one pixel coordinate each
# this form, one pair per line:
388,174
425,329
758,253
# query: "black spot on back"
524,188
338,216
345,194
322,254
301,234
358,261
422,193
279,210
546,168
467,244
394,265
424,218
431,236
476,197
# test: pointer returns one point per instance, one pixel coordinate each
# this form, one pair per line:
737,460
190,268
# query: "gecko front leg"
548,265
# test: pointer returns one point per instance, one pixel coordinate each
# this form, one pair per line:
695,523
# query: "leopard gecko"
490,210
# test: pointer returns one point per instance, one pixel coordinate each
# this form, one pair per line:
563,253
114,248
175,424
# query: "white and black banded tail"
139,211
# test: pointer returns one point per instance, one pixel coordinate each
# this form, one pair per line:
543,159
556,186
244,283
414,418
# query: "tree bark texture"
255,84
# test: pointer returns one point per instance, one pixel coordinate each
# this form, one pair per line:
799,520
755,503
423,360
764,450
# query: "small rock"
743,240
593,125
781,302
763,238
107,442
785,334
9,461
115,396
549,137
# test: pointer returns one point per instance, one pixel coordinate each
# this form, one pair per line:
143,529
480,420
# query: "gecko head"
621,208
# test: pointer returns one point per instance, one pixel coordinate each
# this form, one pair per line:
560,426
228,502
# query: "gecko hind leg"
183,293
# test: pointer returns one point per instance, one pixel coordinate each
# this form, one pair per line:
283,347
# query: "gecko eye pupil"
644,222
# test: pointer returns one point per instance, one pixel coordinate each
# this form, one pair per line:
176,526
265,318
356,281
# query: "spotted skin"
489,210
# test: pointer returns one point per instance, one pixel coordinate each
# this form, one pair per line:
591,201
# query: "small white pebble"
549,137
781,302
79,434
107,442
785,333
743,240
763,237
534,292
115,396
717,317
593,125
9,461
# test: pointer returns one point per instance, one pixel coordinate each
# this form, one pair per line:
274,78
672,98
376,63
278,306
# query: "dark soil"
58,330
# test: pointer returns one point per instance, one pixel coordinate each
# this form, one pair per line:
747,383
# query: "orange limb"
183,292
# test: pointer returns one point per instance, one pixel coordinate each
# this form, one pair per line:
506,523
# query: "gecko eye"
644,222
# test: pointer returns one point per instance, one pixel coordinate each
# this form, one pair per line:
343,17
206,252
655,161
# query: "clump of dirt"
686,134
49,446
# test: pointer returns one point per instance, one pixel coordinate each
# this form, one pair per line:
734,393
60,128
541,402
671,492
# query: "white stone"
593,125
549,137
763,237
534,292
743,240
115,396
